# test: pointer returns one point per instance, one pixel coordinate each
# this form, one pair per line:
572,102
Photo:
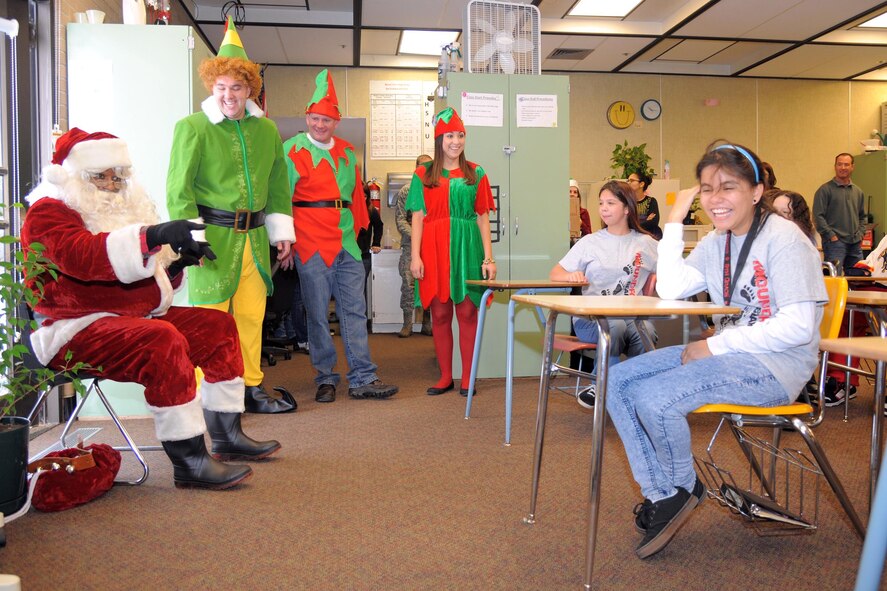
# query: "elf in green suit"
227,169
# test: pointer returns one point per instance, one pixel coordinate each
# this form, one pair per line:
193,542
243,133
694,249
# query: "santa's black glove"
179,264
176,233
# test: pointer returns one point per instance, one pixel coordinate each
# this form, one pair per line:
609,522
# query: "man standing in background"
329,208
404,218
839,214
227,168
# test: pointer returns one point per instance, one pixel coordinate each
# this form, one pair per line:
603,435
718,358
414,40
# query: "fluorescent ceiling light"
617,8
879,22
425,42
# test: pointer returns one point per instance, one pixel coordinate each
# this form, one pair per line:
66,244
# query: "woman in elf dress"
451,199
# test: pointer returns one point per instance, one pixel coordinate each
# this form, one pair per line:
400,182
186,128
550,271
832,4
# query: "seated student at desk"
762,356
616,260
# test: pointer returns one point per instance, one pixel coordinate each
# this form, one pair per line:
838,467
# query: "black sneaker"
834,392
642,516
642,510
375,389
665,518
586,397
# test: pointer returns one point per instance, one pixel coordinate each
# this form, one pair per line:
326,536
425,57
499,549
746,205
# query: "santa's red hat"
78,151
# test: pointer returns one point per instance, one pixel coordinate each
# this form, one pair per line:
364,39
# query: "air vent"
569,54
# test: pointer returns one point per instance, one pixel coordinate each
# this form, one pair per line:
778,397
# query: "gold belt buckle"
245,228
340,204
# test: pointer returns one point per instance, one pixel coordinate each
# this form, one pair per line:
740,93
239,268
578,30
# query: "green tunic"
228,165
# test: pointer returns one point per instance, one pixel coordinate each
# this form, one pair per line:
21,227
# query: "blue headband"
748,157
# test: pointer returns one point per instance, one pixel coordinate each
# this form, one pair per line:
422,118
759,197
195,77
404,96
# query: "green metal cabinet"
870,174
528,168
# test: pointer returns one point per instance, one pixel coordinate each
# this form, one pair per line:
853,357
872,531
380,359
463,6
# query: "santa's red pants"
160,353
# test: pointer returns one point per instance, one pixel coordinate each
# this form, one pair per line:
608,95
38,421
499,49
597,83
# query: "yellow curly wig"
234,67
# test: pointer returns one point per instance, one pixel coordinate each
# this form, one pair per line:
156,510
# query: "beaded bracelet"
489,261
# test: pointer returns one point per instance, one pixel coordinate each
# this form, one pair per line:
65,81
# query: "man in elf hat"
227,168
110,306
329,209
584,219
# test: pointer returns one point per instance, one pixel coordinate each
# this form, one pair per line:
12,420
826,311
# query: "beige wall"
796,125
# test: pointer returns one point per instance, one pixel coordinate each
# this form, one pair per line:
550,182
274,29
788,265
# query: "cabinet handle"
516,225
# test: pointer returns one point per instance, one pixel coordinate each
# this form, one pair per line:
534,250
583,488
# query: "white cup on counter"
95,17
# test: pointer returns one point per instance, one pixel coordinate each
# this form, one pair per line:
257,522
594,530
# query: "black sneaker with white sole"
835,392
664,519
586,397
642,510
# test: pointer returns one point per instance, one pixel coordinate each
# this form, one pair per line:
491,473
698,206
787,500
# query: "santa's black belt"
337,203
241,220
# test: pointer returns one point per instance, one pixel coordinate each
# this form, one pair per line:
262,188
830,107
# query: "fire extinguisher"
375,193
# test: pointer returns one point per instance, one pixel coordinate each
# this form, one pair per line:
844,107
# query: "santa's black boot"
229,440
193,467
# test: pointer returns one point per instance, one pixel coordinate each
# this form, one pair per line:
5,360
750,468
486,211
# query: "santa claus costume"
110,308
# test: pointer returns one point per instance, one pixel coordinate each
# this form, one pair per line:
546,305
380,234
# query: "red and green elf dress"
451,250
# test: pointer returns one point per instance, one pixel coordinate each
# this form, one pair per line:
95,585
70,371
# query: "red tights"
442,327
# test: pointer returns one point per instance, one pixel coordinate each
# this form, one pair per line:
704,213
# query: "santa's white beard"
106,211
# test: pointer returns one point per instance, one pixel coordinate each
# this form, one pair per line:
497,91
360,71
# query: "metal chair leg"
130,443
829,473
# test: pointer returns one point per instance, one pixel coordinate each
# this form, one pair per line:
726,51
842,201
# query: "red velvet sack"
74,476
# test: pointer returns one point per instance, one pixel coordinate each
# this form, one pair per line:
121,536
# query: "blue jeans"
624,337
848,254
344,280
650,396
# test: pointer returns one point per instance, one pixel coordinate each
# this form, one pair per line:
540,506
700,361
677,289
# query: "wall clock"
620,114
651,110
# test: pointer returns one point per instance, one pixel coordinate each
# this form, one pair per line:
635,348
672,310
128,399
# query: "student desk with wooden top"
599,309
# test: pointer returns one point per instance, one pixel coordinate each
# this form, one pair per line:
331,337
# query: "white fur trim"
124,247
210,108
98,155
280,227
55,174
175,423
223,396
44,189
47,341
166,291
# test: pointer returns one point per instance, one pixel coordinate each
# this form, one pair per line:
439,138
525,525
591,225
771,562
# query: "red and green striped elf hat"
324,101
447,121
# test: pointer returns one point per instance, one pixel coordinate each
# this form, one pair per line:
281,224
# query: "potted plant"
629,159
20,283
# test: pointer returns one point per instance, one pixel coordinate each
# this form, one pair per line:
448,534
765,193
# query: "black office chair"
276,307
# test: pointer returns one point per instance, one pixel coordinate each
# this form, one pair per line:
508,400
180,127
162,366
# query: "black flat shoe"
464,392
434,391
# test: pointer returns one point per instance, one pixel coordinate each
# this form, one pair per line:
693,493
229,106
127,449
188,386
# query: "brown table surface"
522,283
867,298
865,347
623,305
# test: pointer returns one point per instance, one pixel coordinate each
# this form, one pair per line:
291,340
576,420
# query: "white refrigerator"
136,82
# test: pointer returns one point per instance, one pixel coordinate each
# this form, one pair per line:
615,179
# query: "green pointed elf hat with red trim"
324,100
231,45
446,121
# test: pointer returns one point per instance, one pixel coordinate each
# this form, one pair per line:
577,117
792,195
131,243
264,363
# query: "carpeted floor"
406,494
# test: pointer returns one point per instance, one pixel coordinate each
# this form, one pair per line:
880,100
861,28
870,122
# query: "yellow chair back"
833,313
